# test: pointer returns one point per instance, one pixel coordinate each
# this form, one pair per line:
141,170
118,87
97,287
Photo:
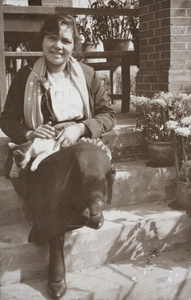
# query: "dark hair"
52,26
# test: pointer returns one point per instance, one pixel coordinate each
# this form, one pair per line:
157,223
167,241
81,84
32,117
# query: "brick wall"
165,46
180,71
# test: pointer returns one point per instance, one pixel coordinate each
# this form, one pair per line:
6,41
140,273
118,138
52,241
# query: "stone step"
128,233
4,149
135,183
159,275
123,141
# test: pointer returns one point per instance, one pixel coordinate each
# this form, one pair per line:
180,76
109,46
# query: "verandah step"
135,183
128,233
123,141
159,275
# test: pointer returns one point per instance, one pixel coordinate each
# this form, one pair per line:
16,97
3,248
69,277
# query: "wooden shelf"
131,57
93,54
46,10
22,54
31,18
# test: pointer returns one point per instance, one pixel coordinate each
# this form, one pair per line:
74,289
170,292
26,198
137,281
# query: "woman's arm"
103,115
12,118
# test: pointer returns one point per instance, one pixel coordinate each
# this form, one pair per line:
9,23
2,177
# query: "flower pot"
116,45
183,194
161,152
136,45
35,2
90,48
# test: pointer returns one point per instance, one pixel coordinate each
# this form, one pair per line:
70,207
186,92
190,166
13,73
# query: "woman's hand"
70,135
46,131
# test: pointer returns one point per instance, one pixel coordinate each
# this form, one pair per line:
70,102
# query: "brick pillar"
165,47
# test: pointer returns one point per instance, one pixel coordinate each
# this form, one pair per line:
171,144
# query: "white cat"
41,148
38,149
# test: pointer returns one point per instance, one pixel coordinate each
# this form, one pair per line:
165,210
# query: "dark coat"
64,186
12,118
66,182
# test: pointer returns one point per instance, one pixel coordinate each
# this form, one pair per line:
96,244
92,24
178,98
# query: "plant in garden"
182,146
167,117
156,112
182,149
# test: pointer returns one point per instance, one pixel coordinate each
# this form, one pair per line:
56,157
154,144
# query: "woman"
68,186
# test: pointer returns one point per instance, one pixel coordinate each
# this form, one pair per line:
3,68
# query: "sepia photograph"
95,149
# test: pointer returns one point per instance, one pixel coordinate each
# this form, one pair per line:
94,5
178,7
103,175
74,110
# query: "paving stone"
128,233
162,275
128,258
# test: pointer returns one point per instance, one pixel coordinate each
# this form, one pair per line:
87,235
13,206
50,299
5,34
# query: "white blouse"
66,100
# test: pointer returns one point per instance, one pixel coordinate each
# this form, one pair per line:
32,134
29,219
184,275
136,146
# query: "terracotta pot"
116,45
35,2
90,48
161,152
183,194
136,45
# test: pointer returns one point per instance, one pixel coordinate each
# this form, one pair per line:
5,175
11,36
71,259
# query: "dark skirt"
63,186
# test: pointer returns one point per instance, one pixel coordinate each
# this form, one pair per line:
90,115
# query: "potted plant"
116,32
88,41
182,146
84,25
159,117
134,29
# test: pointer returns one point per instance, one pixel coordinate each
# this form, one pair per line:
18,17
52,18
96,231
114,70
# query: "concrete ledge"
4,149
166,275
128,233
135,183
121,140
12,208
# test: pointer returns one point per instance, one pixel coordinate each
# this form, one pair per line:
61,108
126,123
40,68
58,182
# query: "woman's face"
57,49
